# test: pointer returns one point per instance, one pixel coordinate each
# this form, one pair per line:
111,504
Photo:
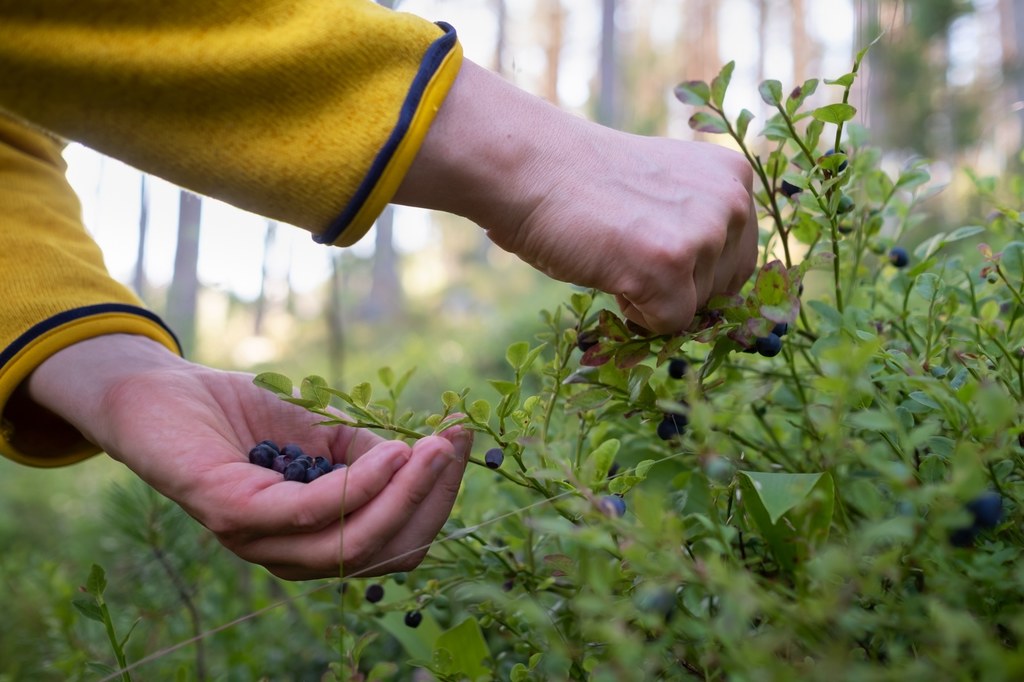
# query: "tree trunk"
1011,23
260,309
607,73
553,17
139,276
385,299
183,295
336,321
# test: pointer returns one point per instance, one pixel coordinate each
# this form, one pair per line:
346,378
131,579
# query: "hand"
186,430
661,224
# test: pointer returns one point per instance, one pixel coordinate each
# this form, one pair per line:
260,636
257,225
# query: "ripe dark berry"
313,473
374,593
493,458
413,619
280,463
272,445
322,464
295,471
613,470
780,329
672,425
987,510
586,340
304,460
963,537
262,455
898,256
677,368
292,450
612,505
789,189
769,346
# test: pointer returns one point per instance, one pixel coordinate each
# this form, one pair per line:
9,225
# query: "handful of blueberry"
291,461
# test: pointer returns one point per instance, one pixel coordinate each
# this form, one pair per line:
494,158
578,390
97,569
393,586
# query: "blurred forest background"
425,290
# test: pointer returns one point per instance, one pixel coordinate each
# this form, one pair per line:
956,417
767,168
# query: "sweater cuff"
30,434
437,73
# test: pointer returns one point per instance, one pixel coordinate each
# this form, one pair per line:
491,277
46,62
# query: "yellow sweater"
307,111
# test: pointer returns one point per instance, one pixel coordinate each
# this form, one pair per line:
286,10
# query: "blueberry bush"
821,479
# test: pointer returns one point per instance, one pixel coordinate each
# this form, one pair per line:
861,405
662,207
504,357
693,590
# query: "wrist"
75,383
492,153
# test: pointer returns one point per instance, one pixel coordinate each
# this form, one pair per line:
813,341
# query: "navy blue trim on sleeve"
432,61
63,318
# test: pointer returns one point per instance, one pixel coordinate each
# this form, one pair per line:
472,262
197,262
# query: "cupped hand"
186,430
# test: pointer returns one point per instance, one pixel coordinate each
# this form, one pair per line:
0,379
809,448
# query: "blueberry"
845,205
898,256
262,455
677,368
304,460
272,445
291,450
613,470
586,340
280,463
313,473
295,471
413,619
508,585
987,510
843,165
789,189
322,464
780,329
374,593
493,458
672,425
612,505
963,537
769,346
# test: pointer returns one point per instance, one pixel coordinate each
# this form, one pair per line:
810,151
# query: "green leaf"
516,354
703,122
742,122
96,583
386,376
480,411
846,80
581,303
590,399
799,94
602,458
835,113
313,388
912,178
467,650
780,492
503,387
450,399
272,381
771,92
720,83
631,354
693,92
361,394
807,501
88,608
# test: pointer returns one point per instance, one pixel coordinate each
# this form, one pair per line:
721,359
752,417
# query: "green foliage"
800,527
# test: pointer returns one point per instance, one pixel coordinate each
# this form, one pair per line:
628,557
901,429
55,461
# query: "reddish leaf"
595,356
632,354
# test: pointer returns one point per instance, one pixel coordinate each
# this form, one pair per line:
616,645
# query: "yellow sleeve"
307,111
55,291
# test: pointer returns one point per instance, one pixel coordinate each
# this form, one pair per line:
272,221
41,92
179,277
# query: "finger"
282,507
365,531
413,541
746,252
666,312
